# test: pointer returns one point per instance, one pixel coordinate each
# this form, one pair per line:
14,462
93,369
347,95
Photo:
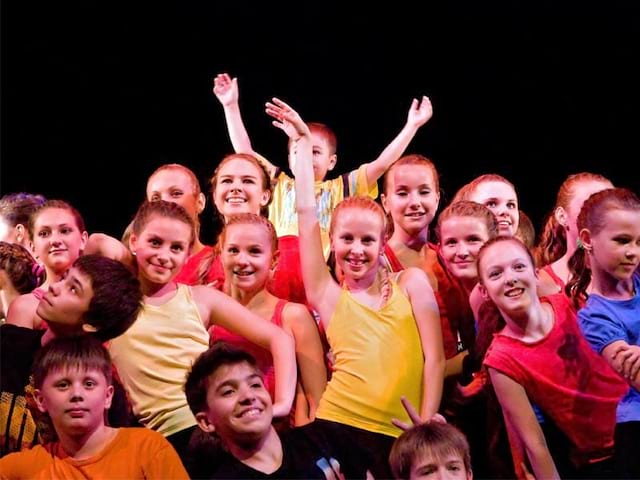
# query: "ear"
483,291
333,159
383,201
203,422
265,198
274,260
40,401
201,202
21,233
84,239
88,328
133,238
560,215
108,397
585,238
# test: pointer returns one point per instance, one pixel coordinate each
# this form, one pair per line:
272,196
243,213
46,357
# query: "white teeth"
515,292
251,413
235,200
243,274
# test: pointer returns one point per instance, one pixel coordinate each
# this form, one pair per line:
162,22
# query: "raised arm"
518,413
226,91
419,113
310,357
319,286
107,246
425,310
220,309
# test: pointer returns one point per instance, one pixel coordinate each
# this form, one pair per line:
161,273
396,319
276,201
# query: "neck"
368,282
151,290
414,241
83,445
248,298
196,247
264,455
531,324
602,283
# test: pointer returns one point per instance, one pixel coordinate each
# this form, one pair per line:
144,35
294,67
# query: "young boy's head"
324,149
72,379
98,295
432,450
226,393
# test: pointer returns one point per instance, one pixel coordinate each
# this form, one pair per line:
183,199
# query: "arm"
106,246
427,315
220,309
319,286
625,360
310,357
518,413
419,114
226,90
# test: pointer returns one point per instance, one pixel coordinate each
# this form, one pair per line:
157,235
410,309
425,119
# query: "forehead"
493,189
74,371
619,220
234,372
505,251
247,233
239,167
358,219
167,227
411,175
319,139
57,215
168,178
459,226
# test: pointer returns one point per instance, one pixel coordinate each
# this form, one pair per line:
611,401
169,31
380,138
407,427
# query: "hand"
226,89
474,387
414,416
420,112
627,360
287,119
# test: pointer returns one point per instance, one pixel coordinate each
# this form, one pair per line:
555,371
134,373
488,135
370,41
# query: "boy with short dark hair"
98,296
226,394
432,450
72,378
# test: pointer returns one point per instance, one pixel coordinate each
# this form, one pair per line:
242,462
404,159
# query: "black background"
96,95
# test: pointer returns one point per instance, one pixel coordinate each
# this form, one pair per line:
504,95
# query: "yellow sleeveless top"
153,358
378,358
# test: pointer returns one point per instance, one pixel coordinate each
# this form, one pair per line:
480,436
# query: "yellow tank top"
153,358
378,358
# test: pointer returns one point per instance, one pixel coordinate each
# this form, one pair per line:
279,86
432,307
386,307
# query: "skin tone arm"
322,291
519,414
226,90
298,322
219,309
107,246
624,359
419,113
425,310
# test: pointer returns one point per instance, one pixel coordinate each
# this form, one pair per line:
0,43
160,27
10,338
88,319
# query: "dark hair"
593,218
82,352
197,384
62,205
20,267
117,298
553,239
164,209
434,438
16,208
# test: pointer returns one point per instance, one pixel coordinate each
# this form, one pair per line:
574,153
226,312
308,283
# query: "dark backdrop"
96,95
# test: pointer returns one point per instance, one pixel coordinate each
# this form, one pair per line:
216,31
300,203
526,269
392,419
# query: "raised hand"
286,119
225,89
420,112
414,416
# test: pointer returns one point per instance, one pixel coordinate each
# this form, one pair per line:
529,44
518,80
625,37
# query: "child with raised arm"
98,296
249,252
609,232
559,238
153,356
58,235
538,354
372,319
362,181
72,377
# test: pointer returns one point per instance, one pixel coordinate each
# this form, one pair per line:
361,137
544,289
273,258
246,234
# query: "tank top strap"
276,318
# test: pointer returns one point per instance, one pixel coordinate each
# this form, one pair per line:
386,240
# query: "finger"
437,418
618,348
414,104
280,103
400,424
635,368
413,414
226,78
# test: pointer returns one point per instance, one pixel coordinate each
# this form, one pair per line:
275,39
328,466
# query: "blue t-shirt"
603,321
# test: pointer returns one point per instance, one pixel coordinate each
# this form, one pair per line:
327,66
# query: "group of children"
334,313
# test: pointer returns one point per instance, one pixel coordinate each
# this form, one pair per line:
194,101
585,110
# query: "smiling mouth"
252,412
514,292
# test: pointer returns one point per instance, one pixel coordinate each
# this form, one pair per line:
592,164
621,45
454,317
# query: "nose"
462,250
54,288
414,199
247,395
76,392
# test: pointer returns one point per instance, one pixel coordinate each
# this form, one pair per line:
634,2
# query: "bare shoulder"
22,311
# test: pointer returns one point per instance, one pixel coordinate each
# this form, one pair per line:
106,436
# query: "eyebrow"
233,381
76,283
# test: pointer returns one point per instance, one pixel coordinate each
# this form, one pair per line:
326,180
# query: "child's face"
411,199
239,188
75,399
323,159
580,193
57,241
501,199
247,256
615,249
450,467
508,276
460,241
174,185
239,406
356,239
66,302
161,249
